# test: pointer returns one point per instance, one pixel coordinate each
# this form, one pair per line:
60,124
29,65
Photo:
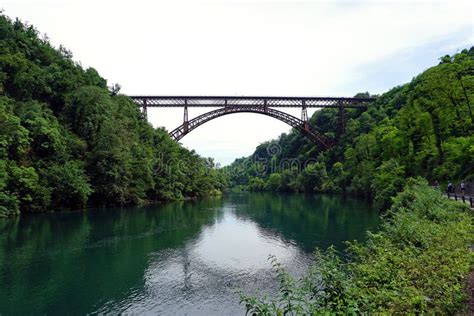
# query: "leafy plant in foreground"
417,263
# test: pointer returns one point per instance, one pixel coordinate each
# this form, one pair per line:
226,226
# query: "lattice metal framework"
283,102
315,136
259,104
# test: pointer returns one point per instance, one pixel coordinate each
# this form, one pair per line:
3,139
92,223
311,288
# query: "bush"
417,263
388,181
70,185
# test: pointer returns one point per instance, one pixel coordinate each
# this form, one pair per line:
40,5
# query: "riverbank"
418,263
141,203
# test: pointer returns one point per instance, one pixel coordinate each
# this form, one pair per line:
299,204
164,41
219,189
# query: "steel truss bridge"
260,105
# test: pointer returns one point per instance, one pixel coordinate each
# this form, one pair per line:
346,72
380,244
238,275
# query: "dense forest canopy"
423,128
69,141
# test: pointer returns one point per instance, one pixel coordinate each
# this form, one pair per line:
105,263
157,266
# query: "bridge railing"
219,101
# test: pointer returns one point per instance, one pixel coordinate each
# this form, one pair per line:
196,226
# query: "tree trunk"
438,138
451,98
466,97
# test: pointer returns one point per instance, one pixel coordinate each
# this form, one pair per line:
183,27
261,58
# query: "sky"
250,48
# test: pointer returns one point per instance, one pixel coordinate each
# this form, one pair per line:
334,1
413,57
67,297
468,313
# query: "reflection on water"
176,258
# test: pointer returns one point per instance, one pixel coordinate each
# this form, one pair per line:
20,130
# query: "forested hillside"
69,141
423,128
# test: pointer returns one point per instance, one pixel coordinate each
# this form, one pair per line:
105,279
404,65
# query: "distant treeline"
69,141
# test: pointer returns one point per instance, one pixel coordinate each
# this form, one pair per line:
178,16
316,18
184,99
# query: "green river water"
169,259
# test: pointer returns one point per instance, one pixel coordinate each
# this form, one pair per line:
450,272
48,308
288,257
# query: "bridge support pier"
185,118
342,118
144,110
304,112
304,116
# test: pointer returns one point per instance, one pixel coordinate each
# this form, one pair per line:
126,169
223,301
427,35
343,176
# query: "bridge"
260,104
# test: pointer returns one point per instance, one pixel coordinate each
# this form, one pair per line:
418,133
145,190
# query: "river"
169,259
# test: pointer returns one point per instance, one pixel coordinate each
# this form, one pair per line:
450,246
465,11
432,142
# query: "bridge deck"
220,101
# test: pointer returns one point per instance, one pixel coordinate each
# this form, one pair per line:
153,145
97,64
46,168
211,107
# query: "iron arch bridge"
260,105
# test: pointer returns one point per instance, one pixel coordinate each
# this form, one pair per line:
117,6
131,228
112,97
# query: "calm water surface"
171,259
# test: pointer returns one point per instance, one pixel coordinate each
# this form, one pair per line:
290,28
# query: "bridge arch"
255,104
189,125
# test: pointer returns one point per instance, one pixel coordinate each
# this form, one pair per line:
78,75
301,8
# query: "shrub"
417,263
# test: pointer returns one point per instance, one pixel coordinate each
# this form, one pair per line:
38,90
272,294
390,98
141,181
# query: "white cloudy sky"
259,47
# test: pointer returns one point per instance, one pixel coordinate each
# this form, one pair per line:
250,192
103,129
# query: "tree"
273,182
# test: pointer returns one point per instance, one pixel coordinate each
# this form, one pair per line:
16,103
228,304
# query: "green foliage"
69,184
9,204
323,290
24,184
459,155
423,128
388,180
256,184
67,141
274,182
314,177
416,264
14,138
